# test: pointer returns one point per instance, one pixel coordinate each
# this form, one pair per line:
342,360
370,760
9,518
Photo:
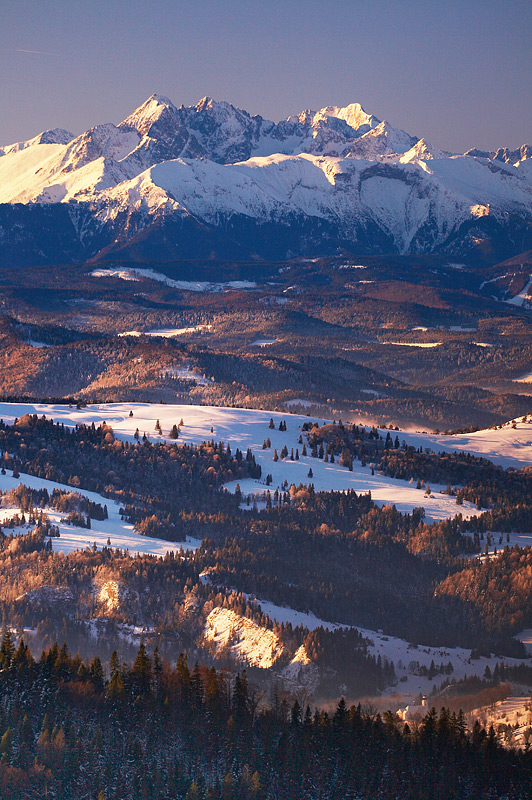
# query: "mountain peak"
423,150
353,114
143,117
205,102
160,99
218,107
53,136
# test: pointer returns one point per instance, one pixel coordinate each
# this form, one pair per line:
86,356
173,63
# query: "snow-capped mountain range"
172,182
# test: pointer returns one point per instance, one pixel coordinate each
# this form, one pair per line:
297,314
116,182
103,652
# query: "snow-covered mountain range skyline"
167,176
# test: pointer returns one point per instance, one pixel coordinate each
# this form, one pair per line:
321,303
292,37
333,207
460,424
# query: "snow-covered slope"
335,175
121,534
408,658
245,428
54,136
508,445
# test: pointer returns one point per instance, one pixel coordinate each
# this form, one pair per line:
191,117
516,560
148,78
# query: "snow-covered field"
245,428
408,658
506,446
121,534
298,401
128,274
168,333
263,342
454,328
414,344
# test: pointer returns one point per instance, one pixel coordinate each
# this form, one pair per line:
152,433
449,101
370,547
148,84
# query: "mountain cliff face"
172,182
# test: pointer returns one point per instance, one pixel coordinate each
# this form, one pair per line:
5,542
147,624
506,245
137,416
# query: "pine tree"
142,671
7,649
96,673
240,698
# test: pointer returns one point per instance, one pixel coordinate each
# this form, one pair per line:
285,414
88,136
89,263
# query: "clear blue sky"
455,71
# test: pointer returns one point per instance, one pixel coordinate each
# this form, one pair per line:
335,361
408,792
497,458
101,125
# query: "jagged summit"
316,181
53,136
208,104
353,114
424,150
505,154
143,117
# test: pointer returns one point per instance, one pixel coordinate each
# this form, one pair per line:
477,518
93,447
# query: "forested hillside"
152,731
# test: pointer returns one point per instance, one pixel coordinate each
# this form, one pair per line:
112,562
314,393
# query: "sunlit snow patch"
246,641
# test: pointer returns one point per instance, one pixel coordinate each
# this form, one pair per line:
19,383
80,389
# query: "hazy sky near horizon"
454,71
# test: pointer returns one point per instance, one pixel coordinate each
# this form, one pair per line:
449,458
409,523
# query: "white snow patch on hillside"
136,274
121,534
408,658
507,446
521,299
414,344
263,342
246,641
516,712
245,428
454,328
374,393
169,333
298,401
284,614
124,274
187,373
